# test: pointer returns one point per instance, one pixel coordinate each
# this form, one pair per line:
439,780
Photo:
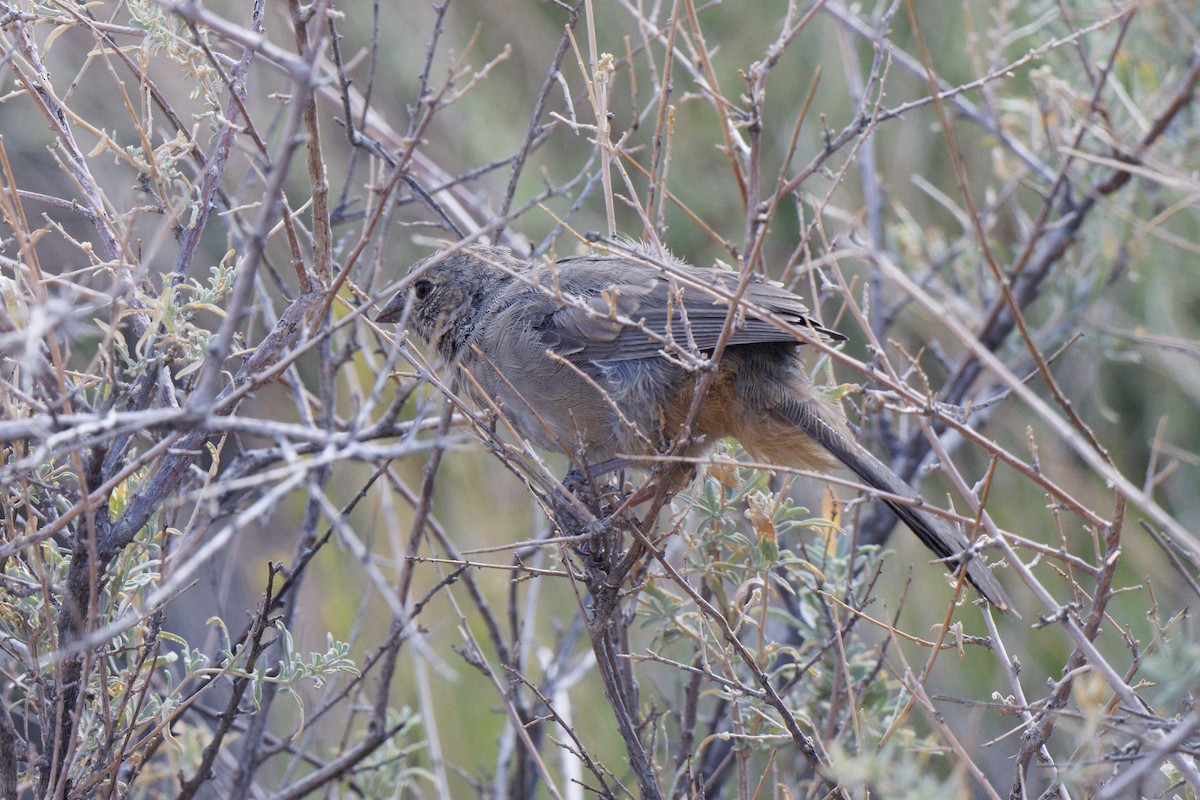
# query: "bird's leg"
611,465
676,477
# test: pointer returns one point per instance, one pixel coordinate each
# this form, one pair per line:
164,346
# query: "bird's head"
444,294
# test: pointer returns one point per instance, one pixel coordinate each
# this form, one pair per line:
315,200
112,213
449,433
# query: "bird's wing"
609,309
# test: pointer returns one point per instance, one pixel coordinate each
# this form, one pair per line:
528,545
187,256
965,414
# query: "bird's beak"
393,310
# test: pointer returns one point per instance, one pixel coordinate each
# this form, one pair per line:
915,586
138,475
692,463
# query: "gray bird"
596,356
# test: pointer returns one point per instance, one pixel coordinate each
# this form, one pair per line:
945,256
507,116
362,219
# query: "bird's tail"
937,534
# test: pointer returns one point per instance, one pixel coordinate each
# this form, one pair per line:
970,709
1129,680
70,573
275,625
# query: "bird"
597,356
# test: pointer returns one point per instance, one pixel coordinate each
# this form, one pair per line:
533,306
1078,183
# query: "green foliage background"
1124,302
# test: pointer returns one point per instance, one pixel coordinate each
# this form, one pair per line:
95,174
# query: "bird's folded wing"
618,314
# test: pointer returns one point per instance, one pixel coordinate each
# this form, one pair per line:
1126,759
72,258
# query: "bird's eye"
423,289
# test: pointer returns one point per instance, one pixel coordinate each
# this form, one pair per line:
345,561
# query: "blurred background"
802,141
